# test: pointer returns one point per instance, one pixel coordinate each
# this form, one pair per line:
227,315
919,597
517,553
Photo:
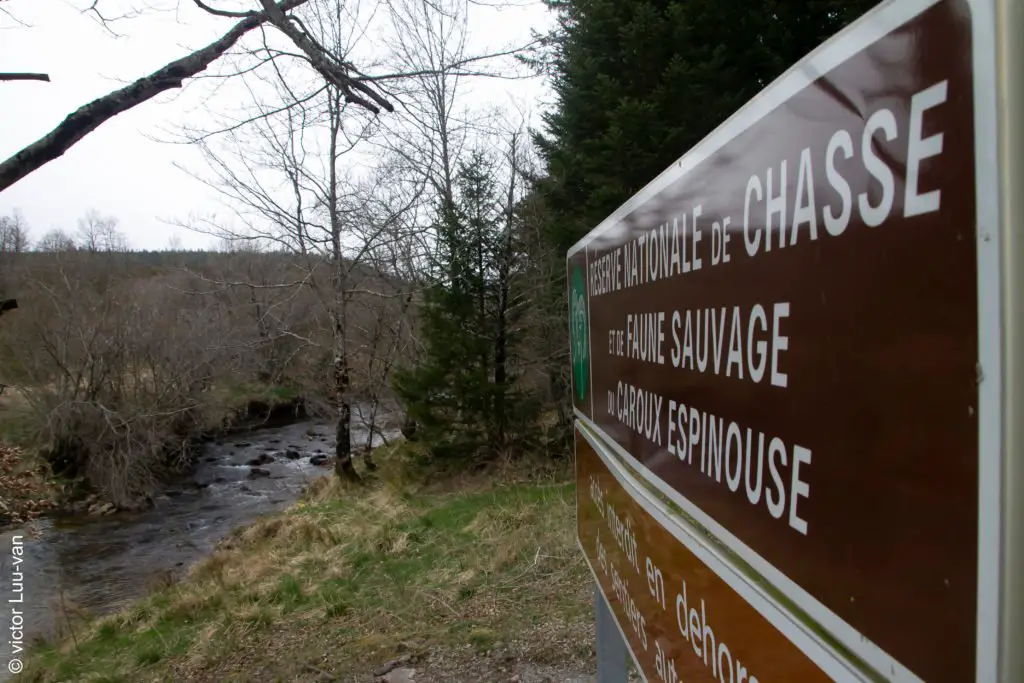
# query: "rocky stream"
101,563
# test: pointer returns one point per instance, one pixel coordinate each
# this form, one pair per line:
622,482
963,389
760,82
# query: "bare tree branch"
224,13
335,74
191,137
456,67
106,21
24,77
89,117
13,18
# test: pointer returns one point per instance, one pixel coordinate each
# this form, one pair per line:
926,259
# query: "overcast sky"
122,169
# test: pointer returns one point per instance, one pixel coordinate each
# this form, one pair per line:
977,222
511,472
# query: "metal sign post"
611,648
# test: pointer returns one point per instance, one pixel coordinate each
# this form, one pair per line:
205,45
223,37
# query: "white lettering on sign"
691,611
640,410
645,337
733,341
694,627
737,342
815,194
916,203
625,538
746,461
780,201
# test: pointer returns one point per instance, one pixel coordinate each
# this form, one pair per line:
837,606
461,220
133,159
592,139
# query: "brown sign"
682,621
782,332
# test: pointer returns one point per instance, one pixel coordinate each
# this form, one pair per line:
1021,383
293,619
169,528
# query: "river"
101,564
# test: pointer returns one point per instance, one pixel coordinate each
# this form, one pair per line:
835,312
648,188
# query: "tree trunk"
409,428
343,437
342,381
504,291
500,361
371,429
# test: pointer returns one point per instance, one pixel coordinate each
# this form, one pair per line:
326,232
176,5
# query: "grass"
351,577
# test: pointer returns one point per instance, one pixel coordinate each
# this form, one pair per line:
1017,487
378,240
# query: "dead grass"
350,577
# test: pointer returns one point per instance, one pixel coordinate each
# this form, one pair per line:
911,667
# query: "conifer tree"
639,82
463,396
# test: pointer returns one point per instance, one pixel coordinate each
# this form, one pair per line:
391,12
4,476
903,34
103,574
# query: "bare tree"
505,261
327,219
297,180
113,364
174,243
99,233
430,134
13,241
56,240
13,233
432,127
544,322
343,76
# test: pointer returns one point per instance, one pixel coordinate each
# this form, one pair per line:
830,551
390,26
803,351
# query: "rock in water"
257,472
318,460
291,454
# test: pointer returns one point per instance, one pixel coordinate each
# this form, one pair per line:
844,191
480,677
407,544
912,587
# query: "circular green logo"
578,331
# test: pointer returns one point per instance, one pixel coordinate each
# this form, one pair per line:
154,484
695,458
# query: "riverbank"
469,580
29,489
96,565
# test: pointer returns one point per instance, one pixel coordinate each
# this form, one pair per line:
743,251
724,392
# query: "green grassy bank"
353,577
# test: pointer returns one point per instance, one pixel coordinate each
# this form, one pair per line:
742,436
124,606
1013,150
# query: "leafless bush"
114,366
